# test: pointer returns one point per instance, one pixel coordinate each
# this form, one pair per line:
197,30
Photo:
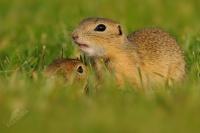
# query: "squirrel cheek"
99,50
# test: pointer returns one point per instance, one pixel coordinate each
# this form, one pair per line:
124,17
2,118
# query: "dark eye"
100,27
80,69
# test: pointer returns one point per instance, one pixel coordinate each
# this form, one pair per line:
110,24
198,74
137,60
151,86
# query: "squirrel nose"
75,37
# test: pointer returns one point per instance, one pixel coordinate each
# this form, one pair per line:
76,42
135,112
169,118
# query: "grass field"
34,33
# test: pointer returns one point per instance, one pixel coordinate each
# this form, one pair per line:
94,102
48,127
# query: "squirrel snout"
74,36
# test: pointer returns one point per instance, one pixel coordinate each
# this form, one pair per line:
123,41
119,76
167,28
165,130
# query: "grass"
34,33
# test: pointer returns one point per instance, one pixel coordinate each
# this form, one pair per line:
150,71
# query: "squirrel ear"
120,30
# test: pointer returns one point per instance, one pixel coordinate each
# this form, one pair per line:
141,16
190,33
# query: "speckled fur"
152,51
68,69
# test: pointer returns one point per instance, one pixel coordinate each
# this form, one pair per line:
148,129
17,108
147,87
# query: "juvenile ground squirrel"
71,71
149,55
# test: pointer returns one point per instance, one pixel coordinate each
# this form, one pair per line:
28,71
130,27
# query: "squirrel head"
70,71
96,36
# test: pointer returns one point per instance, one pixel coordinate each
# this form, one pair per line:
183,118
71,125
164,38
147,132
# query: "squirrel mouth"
81,46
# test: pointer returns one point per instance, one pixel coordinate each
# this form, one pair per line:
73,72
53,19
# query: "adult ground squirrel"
71,71
149,55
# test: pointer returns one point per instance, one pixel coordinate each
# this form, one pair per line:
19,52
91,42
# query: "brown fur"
68,68
149,54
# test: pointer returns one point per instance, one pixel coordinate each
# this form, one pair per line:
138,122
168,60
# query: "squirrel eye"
100,27
80,69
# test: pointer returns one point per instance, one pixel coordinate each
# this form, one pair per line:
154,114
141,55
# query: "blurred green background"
33,33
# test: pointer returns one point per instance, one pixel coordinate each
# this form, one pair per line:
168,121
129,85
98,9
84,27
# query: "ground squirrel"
73,70
148,55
